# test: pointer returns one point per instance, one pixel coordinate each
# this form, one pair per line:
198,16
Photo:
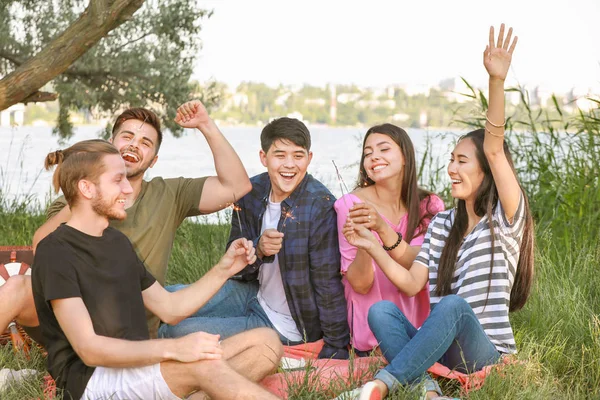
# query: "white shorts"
144,383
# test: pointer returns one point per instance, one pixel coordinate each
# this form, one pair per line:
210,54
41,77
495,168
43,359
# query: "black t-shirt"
107,274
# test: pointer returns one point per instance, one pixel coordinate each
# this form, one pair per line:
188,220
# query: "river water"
23,149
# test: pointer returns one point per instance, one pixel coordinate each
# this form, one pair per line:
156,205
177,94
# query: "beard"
105,209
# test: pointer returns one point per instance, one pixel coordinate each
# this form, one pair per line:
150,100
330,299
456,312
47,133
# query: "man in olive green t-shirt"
155,209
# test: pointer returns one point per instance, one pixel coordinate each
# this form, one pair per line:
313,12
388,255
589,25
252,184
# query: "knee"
380,311
18,287
270,339
453,303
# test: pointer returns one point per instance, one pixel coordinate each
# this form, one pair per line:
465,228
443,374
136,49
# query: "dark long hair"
411,195
485,204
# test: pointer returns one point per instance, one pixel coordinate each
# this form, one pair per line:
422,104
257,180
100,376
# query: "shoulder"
316,191
432,204
345,202
260,181
442,220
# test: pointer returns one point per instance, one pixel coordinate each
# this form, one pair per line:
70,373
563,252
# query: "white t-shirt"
271,294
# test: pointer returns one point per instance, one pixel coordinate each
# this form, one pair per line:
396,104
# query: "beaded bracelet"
392,247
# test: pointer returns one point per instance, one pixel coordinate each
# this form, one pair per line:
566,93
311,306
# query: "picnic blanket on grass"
322,374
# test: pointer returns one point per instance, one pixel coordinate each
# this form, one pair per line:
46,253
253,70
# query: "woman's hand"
497,56
366,215
359,236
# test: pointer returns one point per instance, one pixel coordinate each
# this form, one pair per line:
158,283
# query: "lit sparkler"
237,210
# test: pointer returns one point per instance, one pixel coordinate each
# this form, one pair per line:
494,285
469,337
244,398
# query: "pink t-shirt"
416,308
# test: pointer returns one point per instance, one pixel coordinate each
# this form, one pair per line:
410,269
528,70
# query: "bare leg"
215,378
16,302
254,354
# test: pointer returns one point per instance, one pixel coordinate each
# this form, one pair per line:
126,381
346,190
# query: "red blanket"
334,375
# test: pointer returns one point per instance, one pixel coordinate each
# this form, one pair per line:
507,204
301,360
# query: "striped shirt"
489,300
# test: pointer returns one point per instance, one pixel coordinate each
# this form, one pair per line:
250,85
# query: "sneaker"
369,391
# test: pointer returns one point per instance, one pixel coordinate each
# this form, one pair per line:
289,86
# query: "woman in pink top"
388,201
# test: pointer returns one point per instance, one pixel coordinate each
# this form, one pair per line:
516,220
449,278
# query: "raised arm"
95,350
496,59
232,181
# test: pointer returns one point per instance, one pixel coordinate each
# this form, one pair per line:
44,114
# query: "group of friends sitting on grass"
381,269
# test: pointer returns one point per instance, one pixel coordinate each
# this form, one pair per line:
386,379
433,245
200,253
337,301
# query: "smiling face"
464,171
137,142
382,158
286,164
111,189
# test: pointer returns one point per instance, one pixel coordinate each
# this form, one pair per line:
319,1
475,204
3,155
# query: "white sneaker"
368,391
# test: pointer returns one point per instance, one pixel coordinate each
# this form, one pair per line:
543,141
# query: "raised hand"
365,214
270,243
240,253
192,114
358,235
497,56
195,347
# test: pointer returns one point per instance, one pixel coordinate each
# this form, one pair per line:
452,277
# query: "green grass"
558,331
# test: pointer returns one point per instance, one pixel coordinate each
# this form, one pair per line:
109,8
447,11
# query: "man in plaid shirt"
295,284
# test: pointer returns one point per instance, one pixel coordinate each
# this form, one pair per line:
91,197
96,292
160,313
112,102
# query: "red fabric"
319,374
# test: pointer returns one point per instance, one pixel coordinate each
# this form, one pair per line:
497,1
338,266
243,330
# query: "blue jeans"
233,309
451,335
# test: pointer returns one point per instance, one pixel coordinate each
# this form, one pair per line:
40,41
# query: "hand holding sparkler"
240,253
365,214
269,243
359,236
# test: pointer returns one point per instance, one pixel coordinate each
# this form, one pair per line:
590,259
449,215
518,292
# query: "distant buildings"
14,115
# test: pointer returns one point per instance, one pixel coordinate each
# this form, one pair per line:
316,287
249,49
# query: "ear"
110,140
153,162
263,158
310,154
87,189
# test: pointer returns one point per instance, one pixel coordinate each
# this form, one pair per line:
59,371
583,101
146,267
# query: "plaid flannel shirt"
309,258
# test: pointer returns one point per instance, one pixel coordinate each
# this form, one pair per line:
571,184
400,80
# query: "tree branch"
62,51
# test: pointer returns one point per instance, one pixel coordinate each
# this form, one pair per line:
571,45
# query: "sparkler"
289,214
143,122
237,210
341,182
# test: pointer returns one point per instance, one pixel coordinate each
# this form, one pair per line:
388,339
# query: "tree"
99,55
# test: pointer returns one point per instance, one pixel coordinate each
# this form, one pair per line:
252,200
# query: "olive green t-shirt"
152,221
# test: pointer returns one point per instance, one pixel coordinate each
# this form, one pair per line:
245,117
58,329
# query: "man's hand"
195,347
238,255
269,243
192,114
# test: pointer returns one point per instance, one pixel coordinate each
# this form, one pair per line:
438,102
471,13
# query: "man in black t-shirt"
90,290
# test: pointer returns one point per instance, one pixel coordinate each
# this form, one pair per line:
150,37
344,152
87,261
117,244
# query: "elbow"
362,288
245,188
171,319
493,154
88,354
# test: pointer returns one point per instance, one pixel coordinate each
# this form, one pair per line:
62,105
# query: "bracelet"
392,247
494,125
494,134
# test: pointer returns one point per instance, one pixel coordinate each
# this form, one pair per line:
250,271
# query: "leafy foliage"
147,61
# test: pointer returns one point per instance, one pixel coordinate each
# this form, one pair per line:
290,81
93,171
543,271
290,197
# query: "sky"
379,43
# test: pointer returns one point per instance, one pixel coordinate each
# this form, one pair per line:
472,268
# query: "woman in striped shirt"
477,257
